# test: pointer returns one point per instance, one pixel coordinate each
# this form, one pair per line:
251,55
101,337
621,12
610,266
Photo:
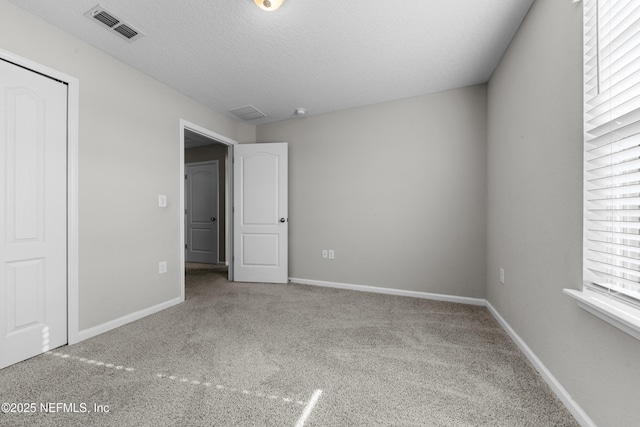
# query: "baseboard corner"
578,413
132,317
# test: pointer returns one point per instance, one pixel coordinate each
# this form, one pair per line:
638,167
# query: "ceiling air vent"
106,19
126,31
111,22
248,113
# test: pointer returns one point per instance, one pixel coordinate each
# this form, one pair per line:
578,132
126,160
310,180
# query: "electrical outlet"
332,254
325,253
162,267
502,275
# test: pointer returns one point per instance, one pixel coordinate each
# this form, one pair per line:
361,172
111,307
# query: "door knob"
282,220
213,218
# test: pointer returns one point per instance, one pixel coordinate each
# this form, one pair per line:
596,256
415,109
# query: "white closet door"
33,214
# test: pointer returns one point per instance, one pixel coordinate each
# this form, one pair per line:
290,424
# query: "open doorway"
204,213
200,146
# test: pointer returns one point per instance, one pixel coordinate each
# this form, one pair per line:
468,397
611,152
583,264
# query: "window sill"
616,313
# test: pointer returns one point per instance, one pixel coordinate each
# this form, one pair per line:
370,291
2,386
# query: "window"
612,162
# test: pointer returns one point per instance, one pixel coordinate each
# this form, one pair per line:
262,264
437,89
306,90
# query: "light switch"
162,201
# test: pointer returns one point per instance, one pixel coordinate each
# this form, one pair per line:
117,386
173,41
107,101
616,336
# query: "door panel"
260,249
202,213
33,209
260,214
260,189
25,286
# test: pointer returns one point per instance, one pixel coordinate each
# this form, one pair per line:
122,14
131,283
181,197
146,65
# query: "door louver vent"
114,23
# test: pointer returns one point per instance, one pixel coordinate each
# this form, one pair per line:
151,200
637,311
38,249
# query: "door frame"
73,325
230,143
217,213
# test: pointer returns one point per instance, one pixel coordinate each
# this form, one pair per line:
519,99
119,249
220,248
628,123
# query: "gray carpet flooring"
237,354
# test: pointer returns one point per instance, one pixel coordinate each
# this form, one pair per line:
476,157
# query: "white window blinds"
612,145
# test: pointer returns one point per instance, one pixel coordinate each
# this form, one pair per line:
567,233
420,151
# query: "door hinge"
185,176
185,246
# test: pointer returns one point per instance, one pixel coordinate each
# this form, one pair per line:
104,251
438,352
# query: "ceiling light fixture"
268,5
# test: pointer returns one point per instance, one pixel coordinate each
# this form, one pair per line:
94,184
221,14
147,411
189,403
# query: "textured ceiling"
321,55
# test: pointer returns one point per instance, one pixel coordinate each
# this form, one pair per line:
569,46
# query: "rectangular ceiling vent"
248,113
111,22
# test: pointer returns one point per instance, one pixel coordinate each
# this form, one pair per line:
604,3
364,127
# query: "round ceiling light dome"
268,5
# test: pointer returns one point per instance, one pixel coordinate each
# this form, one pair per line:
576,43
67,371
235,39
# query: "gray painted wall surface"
398,190
128,155
535,215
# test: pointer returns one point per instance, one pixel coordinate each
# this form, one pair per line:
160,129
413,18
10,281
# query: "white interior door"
33,211
201,190
261,221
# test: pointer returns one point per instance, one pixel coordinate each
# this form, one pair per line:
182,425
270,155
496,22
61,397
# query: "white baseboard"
579,414
390,291
116,323
562,394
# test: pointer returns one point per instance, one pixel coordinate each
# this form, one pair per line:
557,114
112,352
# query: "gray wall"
128,155
398,190
535,215
215,152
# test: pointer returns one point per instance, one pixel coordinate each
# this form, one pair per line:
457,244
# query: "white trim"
184,124
206,132
121,321
615,313
182,207
73,325
73,304
579,414
390,291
